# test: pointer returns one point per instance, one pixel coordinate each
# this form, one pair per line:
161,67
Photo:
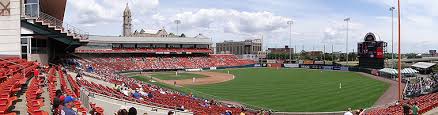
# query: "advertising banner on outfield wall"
271,61
300,62
344,68
315,67
292,65
213,68
327,67
305,66
319,62
336,68
257,65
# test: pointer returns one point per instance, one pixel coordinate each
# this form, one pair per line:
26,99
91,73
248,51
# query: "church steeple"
127,21
127,10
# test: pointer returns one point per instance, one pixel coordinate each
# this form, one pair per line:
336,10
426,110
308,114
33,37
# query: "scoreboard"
371,52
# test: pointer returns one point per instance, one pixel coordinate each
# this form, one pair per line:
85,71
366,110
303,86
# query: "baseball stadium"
50,67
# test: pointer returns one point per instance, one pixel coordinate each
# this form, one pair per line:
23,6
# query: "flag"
347,19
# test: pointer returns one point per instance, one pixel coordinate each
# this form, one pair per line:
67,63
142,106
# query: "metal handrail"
32,11
69,29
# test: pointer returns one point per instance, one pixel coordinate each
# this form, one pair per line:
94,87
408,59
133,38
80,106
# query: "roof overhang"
152,40
55,8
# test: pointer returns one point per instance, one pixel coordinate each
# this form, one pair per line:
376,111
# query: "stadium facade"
34,30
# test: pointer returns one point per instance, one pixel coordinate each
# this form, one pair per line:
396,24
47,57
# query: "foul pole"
399,57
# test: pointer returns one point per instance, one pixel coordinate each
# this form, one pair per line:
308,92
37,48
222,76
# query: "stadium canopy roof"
423,65
394,71
409,71
388,70
164,40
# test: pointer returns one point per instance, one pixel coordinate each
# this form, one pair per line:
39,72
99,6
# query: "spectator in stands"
150,95
136,95
122,112
360,111
132,111
36,72
57,101
242,112
348,112
406,108
68,105
181,108
228,112
79,75
415,108
170,113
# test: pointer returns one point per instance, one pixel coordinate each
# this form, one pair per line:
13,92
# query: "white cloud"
95,12
314,25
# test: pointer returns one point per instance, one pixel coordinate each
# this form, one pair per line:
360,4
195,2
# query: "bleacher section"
14,73
105,67
146,50
425,103
132,63
19,87
34,102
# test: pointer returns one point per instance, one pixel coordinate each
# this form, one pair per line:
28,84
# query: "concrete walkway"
47,105
390,94
432,112
20,106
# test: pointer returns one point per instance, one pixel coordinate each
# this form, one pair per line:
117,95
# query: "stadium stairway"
54,25
21,105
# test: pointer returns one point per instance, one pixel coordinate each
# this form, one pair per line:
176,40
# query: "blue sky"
316,22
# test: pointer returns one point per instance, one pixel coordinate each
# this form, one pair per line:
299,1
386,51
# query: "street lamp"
392,36
346,46
177,22
290,40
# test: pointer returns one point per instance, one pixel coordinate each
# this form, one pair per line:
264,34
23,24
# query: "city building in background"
239,47
433,53
285,50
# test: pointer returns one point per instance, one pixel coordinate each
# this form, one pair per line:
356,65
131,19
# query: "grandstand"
48,55
106,65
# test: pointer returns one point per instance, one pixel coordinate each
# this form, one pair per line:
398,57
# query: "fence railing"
32,11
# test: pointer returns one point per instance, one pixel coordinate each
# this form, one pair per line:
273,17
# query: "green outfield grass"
298,90
172,76
293,90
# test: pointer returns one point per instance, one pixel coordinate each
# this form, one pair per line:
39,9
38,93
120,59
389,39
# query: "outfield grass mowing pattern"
172,76
298,90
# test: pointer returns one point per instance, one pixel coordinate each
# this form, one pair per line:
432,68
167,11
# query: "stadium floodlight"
290,40
392,36
346,46
177,22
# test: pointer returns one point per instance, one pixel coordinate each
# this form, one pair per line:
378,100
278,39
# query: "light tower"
177,22
392,36
347,20
290,40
